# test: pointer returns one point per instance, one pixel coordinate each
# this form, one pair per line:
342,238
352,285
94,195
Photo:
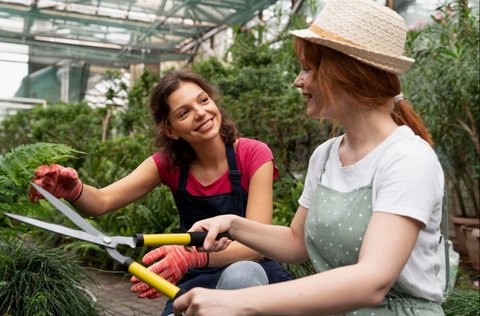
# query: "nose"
298,82
200,111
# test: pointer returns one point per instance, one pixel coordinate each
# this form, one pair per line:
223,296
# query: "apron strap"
182,181
234,176
446,241
327,155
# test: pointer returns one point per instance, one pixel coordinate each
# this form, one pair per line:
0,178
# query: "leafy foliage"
16,170
444,86
17,166
75,125
137,119
36,280
462,302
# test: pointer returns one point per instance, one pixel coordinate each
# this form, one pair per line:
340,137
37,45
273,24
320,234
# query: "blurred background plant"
444,86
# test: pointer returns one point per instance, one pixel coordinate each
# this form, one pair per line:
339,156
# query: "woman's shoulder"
162,160
246,145
250,142
324,148
407,145
410,152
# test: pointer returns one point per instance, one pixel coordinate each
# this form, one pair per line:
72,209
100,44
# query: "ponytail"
403,114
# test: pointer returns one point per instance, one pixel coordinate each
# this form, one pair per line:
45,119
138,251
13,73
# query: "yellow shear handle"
166,239
190,238
155,281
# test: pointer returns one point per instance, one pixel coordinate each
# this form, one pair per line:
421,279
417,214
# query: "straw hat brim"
389,63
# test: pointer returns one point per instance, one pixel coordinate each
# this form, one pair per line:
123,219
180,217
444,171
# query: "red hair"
370,86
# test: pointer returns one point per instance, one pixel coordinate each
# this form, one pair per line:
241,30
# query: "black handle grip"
179,293
197,238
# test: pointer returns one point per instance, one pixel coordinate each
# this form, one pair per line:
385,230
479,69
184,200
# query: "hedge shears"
91,234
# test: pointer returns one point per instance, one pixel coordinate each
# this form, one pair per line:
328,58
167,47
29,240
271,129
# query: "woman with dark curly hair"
210,171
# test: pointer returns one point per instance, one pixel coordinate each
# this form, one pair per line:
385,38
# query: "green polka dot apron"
335,225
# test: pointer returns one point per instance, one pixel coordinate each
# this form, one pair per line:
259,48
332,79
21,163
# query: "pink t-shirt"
250,154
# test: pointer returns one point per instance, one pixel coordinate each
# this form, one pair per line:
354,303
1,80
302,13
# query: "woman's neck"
363,133
211,162
210,154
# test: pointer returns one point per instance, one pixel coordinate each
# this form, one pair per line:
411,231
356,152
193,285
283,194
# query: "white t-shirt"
407,180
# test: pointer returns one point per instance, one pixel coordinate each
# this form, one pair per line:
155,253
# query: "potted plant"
443,85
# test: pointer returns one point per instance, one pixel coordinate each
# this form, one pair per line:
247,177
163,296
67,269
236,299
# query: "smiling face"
319,106
310,89
193,115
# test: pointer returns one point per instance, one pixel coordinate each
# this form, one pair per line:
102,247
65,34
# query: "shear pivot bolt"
107,240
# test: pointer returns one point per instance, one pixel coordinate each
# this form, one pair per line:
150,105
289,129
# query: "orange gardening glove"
174,263
59,181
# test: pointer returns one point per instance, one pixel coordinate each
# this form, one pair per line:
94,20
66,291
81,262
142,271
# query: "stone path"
112,293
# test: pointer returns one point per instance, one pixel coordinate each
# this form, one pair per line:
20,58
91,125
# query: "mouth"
307,96
205,125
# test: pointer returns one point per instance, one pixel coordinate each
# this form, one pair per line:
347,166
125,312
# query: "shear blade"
71,214
78,234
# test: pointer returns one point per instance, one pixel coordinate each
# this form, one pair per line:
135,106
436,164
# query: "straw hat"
364,30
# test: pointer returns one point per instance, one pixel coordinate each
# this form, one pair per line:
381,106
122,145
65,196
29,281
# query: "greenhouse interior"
77,86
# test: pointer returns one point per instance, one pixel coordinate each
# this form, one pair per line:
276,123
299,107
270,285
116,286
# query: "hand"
174,263
59,181
199,301
215,225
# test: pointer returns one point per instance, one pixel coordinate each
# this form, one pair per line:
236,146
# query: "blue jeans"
241,274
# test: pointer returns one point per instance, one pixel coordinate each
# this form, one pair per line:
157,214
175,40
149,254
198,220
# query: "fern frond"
18,165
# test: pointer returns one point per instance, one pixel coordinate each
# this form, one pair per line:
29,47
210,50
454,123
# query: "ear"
170,133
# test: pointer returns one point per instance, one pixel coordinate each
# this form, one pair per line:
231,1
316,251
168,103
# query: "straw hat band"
327,34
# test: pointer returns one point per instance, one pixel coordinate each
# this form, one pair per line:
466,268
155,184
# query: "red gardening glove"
174,263
59,181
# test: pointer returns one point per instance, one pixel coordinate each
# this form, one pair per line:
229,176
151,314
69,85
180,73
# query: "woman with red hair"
369,216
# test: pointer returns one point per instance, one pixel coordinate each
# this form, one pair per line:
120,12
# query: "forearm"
331,292
95,202
235,252
273,241
91,202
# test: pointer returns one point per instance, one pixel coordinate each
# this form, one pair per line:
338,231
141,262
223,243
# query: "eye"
182,114
204,100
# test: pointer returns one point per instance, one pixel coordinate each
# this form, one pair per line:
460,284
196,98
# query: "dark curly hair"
179,151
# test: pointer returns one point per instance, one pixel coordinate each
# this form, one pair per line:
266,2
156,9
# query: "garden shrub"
444,88
75,125
462,302
36,280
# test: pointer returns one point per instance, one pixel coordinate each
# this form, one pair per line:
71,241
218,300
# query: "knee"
242,274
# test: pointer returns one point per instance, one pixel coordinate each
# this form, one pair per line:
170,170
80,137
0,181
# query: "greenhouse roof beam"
134,30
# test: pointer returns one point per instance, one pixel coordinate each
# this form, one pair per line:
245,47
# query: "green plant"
18,165
136,119
462,302
443,85
35,280
16,170
76,125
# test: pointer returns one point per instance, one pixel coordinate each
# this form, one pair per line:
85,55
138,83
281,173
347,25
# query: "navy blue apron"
194,208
